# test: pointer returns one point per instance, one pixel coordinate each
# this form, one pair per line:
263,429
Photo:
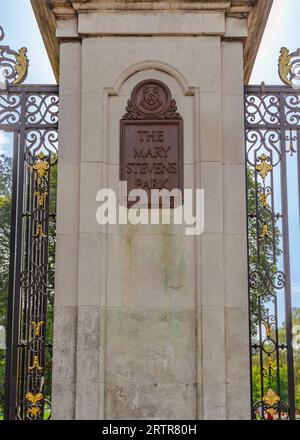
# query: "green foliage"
265,261
5,214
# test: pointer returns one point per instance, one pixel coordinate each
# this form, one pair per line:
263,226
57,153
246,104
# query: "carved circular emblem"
151,97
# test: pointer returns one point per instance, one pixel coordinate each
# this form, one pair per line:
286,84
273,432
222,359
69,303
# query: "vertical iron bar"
15,270
13,293
298,169
248,259
286,262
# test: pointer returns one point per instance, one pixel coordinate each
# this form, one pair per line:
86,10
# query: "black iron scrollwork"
13,65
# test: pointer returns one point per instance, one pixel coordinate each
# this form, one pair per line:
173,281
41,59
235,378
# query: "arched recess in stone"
151,65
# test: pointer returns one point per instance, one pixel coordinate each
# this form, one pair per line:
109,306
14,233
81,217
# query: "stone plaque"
151,151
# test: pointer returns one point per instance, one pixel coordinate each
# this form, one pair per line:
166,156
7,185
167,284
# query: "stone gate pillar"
151,323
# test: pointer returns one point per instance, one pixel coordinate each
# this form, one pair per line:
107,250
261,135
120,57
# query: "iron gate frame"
256,120
15,116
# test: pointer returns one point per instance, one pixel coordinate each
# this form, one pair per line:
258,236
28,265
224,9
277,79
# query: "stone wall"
151,323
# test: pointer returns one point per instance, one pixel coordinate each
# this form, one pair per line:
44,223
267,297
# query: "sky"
21,29
283,29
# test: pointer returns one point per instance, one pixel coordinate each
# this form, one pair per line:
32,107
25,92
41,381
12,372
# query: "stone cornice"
257,22
52,15
47,24
63,8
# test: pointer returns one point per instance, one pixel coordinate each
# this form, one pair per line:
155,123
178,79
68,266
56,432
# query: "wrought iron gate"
31,113
273,155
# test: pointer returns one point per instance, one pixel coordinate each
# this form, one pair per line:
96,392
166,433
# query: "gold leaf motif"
34,398
41,166
34,411
264,232
269,366
39,232
36,364
264,198
270,362
21,66
268,329
41,195
264,168
272,413
271,398
284,65
37,327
